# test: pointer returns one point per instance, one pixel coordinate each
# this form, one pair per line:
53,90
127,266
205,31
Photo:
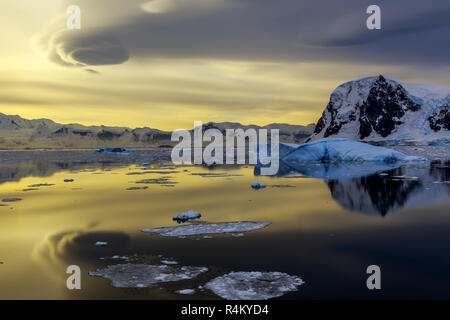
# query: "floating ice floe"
399,178
11,199
137,188
169,262
111,150
144,275
253,285
208,228
120,257
185,216
40,185
237,235
101,243
163,181
282,186
258,185
331,150
186,291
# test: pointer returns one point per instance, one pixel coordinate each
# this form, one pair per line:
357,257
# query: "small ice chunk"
237,235
101,243
404,177
169,262
258,185
186,291
40,185
117,257
111,150
185,216
208,228
253,285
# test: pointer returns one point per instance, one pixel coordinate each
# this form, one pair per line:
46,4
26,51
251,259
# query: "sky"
165,63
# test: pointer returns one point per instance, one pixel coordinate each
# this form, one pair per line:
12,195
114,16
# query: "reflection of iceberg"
337,170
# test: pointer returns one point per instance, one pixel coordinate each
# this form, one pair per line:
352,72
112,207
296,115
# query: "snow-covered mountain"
16,131
379,109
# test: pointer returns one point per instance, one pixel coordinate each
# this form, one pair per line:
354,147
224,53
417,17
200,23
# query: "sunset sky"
165,63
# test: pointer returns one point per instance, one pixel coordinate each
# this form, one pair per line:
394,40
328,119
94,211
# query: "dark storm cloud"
96,51
413,31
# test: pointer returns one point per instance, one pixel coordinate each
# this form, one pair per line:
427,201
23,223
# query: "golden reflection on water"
97,201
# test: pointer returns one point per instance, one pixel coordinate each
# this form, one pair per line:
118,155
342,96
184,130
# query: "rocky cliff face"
380,109
440,120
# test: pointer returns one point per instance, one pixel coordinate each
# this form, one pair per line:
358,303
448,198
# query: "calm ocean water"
325,230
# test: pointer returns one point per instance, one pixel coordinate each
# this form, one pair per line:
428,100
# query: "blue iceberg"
335,150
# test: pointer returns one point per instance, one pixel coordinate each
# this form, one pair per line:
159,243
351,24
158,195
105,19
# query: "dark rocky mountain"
379,109
440,120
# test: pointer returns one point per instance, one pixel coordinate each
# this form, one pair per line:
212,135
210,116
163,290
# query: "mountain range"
17,132
381,110
375,109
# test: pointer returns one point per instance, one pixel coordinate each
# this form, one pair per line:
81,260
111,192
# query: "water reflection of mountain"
375,194
18,170
379,188
406,187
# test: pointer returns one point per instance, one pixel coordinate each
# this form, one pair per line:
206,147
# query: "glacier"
335,150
